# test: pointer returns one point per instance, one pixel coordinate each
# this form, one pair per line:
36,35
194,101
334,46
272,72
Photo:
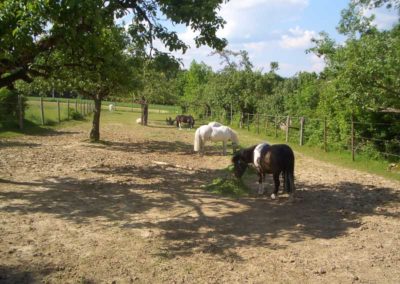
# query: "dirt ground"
133,210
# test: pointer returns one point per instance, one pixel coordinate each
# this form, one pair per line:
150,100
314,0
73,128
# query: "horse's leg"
276,183
224,148
260,183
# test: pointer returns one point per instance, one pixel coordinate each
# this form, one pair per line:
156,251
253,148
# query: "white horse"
111,107
215,124
215,134
139,120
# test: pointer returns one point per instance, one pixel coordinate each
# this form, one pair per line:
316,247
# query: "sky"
272,30
275,30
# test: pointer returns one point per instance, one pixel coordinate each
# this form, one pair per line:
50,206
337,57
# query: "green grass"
124,115
228,185
125,106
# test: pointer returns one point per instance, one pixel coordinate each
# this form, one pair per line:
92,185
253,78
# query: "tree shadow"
14,274
152,146
161,147
11,143
210,223
33,129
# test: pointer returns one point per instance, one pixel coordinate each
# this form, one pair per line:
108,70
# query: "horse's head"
240,165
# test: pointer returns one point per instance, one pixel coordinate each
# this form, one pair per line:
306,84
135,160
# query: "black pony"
184,119
268,159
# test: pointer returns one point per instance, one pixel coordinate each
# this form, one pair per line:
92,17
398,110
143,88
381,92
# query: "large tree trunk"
95,132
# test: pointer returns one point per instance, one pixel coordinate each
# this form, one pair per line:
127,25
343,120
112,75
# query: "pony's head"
239,165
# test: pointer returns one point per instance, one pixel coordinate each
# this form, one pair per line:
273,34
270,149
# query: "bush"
75,115
9,109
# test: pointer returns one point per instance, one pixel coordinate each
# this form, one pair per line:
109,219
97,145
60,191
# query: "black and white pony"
215,134
268,159
184,119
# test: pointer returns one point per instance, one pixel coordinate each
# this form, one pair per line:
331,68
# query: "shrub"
75,115
9,109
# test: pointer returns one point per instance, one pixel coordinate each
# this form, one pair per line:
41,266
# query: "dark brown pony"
271,159
184,119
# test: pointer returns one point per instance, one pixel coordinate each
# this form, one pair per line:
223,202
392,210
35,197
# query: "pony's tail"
289,182
197,140
289,177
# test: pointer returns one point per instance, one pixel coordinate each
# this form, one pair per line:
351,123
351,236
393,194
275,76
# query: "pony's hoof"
273,196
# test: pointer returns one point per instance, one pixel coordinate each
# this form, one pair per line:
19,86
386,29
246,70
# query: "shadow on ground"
216,224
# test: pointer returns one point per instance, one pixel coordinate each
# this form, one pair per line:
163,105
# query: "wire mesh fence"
51,111
322,132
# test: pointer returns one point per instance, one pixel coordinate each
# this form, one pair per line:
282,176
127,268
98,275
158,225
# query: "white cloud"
252,18
317,63
384,18
297,38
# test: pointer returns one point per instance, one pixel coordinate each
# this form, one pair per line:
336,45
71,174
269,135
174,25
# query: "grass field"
158,114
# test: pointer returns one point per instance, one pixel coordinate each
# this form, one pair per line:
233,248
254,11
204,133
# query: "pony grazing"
268,159
215,124
169,121
184,119
111,107
139,120
215,134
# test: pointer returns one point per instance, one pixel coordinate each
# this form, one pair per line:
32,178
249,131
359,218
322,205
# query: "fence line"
289,127
45,111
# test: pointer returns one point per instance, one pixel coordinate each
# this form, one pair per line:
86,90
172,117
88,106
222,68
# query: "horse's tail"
197,140
289,174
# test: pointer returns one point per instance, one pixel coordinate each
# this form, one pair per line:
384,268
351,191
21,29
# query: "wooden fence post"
248,121
58,111
76,104
20,112
241,120
67,109
301,131
276,127
325,136
258,123
42,110
287,128
352,138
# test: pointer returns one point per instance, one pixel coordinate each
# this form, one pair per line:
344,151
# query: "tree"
41,37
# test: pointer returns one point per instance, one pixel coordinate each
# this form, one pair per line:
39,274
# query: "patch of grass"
228,185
